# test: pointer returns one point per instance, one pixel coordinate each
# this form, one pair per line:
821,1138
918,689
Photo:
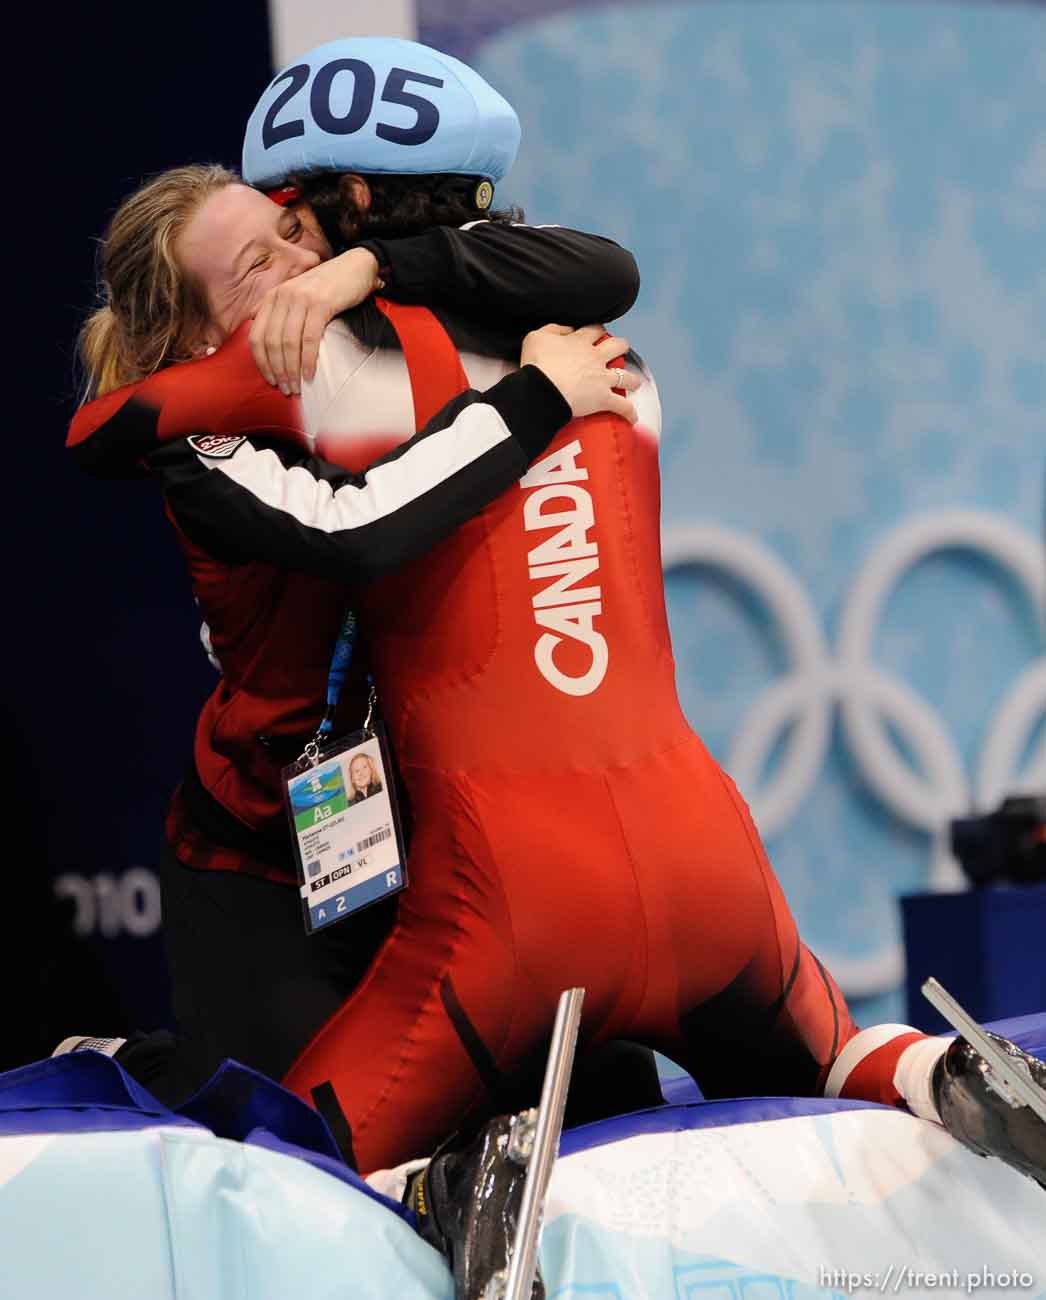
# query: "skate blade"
537,1145
1010,1079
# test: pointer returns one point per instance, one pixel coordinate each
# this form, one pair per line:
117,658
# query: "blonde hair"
150,310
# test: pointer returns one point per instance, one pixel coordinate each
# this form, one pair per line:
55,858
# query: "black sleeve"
257,499
530,275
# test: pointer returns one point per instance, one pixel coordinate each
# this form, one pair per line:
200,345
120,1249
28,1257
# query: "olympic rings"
870,700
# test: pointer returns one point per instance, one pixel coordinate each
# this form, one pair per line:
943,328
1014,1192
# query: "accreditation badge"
346,828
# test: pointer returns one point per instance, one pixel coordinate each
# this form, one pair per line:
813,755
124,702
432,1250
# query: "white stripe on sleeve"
387,488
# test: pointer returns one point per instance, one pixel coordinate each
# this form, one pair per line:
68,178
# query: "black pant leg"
247,981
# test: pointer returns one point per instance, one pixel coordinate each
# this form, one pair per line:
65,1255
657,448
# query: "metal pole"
1009,1075
546,1145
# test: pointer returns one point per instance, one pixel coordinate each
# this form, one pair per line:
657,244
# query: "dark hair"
400,205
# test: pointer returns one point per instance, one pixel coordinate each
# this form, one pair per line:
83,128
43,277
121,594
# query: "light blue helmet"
379,104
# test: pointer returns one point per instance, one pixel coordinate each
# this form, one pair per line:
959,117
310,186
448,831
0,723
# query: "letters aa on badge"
346,829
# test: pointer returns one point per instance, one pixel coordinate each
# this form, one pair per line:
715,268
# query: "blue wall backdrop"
838,212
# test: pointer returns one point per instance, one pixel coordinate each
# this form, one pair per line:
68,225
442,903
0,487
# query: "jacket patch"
219,446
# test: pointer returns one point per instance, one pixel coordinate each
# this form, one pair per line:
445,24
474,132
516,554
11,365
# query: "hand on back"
577,363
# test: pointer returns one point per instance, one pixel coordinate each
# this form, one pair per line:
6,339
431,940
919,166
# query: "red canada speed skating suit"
571,829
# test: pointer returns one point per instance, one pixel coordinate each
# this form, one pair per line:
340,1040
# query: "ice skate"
481,1203
467,1201
993,1100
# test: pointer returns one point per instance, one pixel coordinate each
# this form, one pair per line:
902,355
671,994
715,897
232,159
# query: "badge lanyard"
341,801
341,662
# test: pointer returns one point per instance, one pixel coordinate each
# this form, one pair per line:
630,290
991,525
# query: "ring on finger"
619,377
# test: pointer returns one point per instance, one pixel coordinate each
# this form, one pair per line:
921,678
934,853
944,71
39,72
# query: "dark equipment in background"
1006,846
984,943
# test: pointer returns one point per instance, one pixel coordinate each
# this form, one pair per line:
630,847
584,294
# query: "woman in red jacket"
275,564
